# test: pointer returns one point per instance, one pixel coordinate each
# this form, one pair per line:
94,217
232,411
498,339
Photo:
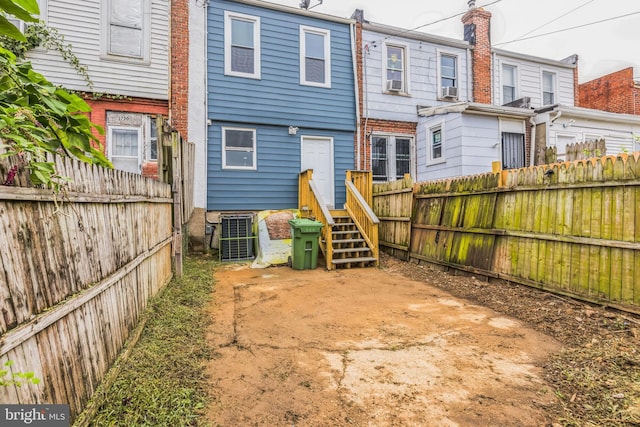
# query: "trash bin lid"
305,225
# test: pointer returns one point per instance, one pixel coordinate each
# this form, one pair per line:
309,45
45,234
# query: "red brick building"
617,92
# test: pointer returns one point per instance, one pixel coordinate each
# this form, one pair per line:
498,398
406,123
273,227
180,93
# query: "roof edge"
295,11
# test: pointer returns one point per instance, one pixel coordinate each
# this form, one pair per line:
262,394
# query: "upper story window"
548,88
126,29
315,57
395,64
508,83
238,148
241,45
448,76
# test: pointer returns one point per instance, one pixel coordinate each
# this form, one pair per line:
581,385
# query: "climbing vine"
38,118
39,34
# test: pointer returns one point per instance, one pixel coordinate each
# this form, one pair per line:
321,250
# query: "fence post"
176,188
496,167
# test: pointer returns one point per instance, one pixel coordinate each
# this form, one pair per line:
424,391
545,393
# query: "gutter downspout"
469,76
365,102
532,160
357,93
494,73
206,94
557,116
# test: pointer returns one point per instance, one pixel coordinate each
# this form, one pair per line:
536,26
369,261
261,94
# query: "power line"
550,22
400,33
570,28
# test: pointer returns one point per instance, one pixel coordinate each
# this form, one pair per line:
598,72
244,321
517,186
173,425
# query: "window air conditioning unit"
450,92
394,85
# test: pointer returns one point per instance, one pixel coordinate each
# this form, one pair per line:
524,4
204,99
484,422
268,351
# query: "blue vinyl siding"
273,103
274,184
278,97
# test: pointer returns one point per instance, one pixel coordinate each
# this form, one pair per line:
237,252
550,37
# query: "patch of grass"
599,383
163,382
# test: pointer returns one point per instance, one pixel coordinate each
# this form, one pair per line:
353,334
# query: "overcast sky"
602,48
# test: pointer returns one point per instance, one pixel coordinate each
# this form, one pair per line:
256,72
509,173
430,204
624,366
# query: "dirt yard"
380,347
409,345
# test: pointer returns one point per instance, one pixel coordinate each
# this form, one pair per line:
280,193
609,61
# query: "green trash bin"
305,234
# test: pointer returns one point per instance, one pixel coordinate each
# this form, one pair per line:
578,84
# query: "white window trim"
555,85
511,125
516,82
574,136
44,8
430,128
327,56
390,158
22,26
228,16
141,142
147,139
407,67
146,35
586,136
224,150
439,54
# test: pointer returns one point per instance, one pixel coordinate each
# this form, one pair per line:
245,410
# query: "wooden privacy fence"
176,161
577,151
77,270
572,228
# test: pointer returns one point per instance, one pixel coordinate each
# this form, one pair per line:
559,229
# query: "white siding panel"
79,23
423,83
529,81
452,144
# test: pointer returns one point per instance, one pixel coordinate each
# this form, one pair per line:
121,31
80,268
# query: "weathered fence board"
573,228
392,203
79,271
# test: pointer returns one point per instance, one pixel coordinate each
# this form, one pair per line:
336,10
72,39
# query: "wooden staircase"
349,237
350,249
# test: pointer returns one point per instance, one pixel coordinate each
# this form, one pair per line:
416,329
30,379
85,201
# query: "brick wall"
374,126
99,108
615,92
179,75
98,115
481,55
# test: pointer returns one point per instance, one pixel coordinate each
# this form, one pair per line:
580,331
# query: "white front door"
317,154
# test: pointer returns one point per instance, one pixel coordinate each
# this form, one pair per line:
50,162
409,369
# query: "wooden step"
347,250
353,260
333,233
341,241
345,224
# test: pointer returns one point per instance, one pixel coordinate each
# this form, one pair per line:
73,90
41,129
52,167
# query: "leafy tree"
36,117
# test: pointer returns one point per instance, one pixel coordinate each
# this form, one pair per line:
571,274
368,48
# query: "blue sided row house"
281,100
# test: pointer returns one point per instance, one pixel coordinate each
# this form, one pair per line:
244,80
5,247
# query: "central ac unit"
394,85
236,237
450,92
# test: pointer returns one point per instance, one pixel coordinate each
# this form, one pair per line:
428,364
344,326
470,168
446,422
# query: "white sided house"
125,46
401,71
559,125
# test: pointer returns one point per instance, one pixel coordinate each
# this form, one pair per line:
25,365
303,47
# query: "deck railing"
312,206
359,209
363,181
